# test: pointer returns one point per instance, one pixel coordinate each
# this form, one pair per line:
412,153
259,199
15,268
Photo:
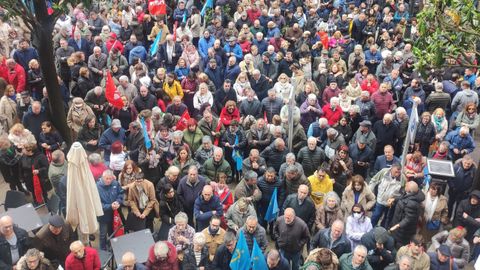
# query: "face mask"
357,215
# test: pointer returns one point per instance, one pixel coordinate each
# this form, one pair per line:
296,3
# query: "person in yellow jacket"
172,87
321,185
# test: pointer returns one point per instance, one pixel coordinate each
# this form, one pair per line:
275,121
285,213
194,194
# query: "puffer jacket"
407,213
460,251
310,159
259,234
211,169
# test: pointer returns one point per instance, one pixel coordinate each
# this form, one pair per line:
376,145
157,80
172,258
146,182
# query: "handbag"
117,224
433,225
37,188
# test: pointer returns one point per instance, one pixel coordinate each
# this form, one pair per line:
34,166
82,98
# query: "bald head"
289,215
207,192
128,259
411,187
6,226
78,249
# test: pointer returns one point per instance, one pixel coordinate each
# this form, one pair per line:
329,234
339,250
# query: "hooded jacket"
473,212
407,213
462,98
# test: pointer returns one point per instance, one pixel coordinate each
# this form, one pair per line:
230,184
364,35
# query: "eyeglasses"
356,212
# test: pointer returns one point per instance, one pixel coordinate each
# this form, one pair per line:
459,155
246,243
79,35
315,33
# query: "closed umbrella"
83,200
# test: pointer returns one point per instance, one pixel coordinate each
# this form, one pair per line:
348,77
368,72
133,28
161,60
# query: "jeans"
378,211
293,258
106,229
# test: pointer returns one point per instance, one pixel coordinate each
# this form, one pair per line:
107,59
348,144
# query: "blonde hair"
17,127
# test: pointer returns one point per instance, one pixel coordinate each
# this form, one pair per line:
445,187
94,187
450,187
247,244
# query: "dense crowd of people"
201,142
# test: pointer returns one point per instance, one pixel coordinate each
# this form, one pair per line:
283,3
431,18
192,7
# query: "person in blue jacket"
204,43
206,206
111,197
233,49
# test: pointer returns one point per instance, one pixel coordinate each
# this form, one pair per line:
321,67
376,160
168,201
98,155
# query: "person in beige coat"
77,114
365,197
435,215
142,200
8,109
328,212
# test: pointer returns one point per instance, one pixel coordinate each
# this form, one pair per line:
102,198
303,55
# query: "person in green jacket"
356,260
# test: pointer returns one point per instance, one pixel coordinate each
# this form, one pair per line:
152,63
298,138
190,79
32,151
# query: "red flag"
175,32
265,117
182,123
111,92
37,187
157,7
117,224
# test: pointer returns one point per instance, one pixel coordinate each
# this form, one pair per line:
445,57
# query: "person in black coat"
459,186
170,205
189,257
302,204
135,141
251,105
386,133
164,59
89,134
333,238
33,163
468,211
49,139
84,83
224,253
144,101
9,231
381,247
407,212
33,119
425,134
222,95
259,84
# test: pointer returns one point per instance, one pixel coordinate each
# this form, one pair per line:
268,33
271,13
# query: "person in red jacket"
112,42
82,258
229,112
162,256
332,111
370,84
13,74
383,101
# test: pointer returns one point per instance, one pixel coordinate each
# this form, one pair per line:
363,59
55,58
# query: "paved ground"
4,188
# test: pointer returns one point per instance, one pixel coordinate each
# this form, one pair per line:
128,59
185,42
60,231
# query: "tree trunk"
42,38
